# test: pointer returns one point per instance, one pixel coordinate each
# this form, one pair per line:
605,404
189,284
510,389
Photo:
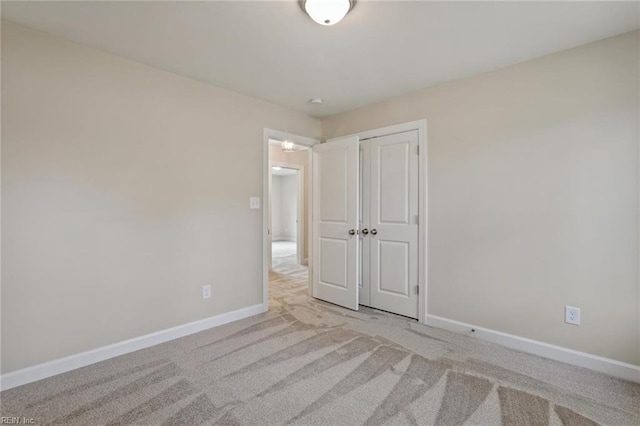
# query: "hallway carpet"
287,267
313,363
283,248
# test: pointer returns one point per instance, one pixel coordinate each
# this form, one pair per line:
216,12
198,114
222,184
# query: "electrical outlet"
572,315
254,202
206,292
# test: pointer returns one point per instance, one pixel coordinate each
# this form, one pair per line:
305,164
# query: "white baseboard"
62,365
582,359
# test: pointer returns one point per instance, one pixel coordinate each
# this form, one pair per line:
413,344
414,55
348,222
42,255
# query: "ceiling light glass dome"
327,12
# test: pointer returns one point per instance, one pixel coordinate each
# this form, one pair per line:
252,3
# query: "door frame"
300,207
423,258
277,135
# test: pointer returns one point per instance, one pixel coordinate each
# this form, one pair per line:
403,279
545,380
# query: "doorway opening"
286,217
384,170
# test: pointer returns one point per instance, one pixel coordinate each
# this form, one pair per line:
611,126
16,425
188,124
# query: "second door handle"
365,231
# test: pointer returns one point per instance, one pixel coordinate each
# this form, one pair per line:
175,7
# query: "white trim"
389,130
581,359
278,135
421,127
423,224
301,215
62,365
307,261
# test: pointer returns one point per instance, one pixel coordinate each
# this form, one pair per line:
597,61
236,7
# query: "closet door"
393,225
335,222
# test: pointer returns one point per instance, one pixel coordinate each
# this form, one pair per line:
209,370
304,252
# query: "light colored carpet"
309,362
283,248
288,265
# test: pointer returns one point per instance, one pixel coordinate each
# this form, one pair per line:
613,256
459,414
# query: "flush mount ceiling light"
288,146
276,168
327,12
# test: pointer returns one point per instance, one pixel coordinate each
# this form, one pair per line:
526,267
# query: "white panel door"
393,223
335,222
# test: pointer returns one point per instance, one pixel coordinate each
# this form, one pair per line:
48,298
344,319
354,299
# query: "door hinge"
418,150
417,289
417,219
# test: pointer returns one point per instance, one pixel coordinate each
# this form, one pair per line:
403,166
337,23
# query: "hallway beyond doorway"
283,248
284,261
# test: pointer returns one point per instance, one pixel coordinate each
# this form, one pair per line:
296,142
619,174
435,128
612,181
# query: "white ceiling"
271,50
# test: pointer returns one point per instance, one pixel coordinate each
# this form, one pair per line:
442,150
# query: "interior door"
335,222
393,223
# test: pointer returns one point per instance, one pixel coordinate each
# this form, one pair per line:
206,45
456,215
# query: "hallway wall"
284,202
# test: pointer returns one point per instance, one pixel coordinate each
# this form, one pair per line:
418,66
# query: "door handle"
352,232
374,231
365,231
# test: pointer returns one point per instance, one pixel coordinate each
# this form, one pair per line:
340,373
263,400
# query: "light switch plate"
254,202
206,292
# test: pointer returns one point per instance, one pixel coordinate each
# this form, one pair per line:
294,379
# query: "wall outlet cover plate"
572,315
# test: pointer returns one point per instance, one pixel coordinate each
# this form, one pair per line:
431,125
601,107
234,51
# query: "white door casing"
365,219
335,222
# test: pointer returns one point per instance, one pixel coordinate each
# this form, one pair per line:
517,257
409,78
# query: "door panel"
334,187
334,268
335,213
394,170
394,211
394,267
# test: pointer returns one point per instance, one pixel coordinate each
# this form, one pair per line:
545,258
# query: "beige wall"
297,158
118,207
533,195
125,190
